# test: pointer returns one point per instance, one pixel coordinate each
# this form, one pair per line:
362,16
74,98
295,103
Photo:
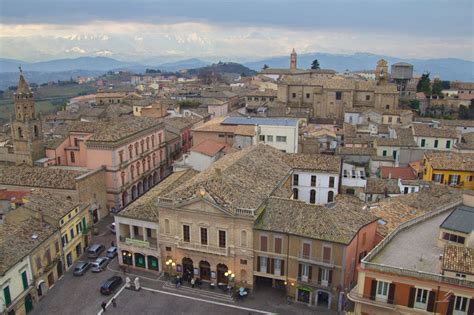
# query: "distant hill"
183,64
446,68
224,67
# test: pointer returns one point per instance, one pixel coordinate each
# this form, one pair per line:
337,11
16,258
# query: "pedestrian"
112,244
103,306
193,281
114,303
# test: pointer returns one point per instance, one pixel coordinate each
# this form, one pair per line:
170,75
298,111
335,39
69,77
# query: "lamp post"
170,264
230,277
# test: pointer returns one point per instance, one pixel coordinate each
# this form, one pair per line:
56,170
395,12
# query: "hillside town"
290,191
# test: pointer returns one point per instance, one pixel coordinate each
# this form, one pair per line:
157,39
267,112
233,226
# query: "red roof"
10,194
209,147
405,173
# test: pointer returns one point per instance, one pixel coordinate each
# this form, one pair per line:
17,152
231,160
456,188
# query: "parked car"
111,227
81,268
112,252
110,285
94,250
99,264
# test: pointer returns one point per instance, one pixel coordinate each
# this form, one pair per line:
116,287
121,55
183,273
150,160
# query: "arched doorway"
204,270
150,181
139,260
41,288
188,268
134,192
162,172
221,270
140,188
323,299
330,196
124,199
155,178
28,303
152,263
145,185
127,258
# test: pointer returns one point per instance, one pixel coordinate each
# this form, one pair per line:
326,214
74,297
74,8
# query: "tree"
315,64
424,84
437,88
414,104
466,112
265,66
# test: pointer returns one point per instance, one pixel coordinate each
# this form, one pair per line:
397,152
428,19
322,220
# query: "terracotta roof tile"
313,162
397,172
458,259
208,147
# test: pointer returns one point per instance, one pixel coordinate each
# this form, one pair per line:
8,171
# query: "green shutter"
84,224
24,278
6,293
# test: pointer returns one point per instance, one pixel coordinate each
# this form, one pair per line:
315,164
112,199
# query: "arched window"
167,226
159,138
132,171
312,196
35,129
20,132
144,164
122,175
154,159
148,159
136,148
295,193
138,168
330,196
73,157
387,106
243,238
142,145
130,151
148,143
152,141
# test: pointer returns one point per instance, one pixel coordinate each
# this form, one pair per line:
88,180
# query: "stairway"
202,293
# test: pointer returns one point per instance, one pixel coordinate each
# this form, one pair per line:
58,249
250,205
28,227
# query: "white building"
280,133
201,156
315,177
432,138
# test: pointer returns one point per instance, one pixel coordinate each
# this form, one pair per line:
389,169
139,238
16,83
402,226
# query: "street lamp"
170,265
230,277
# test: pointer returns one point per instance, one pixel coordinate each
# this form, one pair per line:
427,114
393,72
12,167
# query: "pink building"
133,151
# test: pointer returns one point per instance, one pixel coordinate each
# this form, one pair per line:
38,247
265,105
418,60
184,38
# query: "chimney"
389,175
218,171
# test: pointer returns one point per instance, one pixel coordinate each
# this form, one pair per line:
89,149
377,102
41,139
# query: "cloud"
76,49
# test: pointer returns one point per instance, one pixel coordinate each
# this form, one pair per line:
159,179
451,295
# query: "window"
152,140
243,238
382,291
296,178
64,240
167,226
130,151
136,148
72,233
326,254
277,242
121,156
73,157
384,153
48,256
204,236
387,106
243,261
263,264
270,138
307,95
438,178
423,143
280,138
24,279
293,95
186,233
454,238
421,298
304,271
76,142
331,182
448,144
313,180
56,246
222,239
262,138
277,270
78,250
59,160
148,143
367,97
454,179
390,119
325,276
338,96
306,251
7,296
132,171
460,305
312,196
148,232
38,262
295,193
221,135
468,178
436,143
263,243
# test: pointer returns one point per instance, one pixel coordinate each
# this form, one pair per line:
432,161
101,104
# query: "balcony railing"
314,260
245,212
198,247
355,296
139,241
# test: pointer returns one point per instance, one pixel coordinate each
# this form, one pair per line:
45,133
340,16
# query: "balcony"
356,297
198,247
313,260
138,241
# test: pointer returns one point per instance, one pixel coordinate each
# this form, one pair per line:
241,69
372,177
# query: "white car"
100,264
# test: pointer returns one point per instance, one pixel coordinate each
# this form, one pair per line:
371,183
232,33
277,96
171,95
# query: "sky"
243,30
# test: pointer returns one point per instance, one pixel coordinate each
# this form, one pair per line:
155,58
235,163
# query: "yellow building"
449,168
71,218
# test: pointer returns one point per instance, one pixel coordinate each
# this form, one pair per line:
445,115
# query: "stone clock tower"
293,60
27,131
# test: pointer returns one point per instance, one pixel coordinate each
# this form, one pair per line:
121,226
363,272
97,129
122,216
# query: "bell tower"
293,60
26,129
381,72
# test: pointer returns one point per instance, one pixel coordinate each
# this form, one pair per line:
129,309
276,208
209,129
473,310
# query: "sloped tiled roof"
209,147
423,130
381,186
450,160
458,259
338,222
46,177
313,162
397,172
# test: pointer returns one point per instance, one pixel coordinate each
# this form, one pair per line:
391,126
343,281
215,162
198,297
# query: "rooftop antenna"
21,71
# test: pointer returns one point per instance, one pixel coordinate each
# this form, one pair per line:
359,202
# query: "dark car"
110,285
81,268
